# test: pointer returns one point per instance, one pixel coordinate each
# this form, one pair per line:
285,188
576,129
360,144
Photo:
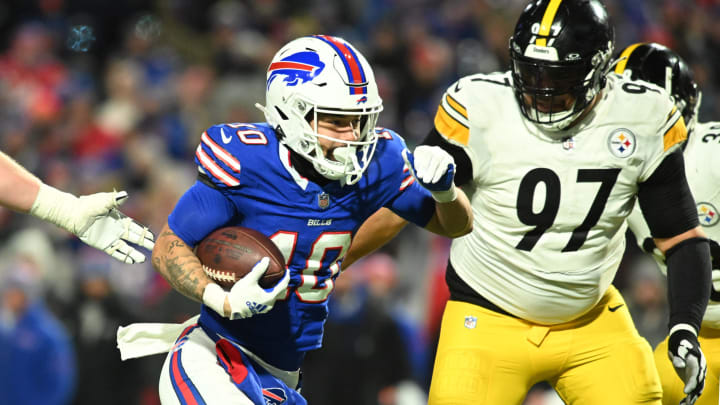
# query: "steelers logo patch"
707,214
622,143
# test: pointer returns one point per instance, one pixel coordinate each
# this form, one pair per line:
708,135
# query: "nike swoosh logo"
613,309
226,139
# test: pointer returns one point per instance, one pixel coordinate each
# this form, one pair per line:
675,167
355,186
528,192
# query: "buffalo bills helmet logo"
297,68
274,396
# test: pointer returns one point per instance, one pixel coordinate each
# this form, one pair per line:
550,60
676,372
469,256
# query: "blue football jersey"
252,183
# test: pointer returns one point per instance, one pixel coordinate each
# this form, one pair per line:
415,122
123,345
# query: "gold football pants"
672,384
484,357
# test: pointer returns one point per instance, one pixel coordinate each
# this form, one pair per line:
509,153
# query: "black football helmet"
560,55
663,67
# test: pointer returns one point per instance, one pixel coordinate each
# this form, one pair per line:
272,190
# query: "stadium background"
98,94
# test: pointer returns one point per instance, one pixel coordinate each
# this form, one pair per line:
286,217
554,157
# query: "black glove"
689,362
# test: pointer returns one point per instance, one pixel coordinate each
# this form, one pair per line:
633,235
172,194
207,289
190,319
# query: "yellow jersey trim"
456,106
676,134
451,128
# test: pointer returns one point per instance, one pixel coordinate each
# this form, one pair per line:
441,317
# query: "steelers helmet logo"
707,214
621,143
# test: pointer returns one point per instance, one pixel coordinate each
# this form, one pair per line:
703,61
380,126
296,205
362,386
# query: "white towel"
145,339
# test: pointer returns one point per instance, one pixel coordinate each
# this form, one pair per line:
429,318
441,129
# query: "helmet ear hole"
281,113
310,115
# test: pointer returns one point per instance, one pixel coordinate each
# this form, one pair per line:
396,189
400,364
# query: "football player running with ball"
661,66
553,156
307,179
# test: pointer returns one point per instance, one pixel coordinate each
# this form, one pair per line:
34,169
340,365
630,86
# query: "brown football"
228,254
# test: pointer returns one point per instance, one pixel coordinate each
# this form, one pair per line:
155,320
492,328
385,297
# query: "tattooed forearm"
174,244
178,264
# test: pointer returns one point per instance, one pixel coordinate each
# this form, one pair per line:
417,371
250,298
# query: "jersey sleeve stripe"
456,112
209,165
407,182
451,127
457,106
676,134
221,153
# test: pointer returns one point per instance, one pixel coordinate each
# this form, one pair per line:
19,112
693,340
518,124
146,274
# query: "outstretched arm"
18,187
434,169
93,218
687,255
374,233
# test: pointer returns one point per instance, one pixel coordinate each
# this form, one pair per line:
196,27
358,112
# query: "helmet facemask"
560,53
347,162
553,94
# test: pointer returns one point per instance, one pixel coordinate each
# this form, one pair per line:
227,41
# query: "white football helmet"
323,74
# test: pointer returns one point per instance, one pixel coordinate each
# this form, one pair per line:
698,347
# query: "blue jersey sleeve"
216,158
409,200
414,204
201,210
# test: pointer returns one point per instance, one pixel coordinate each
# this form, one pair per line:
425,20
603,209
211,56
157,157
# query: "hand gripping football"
228,254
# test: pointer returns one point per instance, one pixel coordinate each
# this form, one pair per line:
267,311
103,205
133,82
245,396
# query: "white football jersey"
702,168
549,228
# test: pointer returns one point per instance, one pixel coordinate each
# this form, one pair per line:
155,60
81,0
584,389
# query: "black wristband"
689,281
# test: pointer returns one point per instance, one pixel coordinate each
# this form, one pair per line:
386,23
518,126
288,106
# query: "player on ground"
94,218
307,179
553,155
661,66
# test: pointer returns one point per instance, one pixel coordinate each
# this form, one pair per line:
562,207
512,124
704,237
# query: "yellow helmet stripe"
547,21
624,56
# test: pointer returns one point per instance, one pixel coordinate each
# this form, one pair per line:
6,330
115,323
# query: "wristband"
683,326
54,206
445,196
214,297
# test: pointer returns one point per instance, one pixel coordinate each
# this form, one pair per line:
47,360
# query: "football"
229,253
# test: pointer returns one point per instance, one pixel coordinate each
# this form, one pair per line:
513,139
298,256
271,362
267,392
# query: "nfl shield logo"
323,200
470,322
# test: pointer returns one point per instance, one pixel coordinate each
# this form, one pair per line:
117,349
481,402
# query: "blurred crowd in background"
98,94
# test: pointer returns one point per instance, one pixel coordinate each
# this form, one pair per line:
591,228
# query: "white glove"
246,297
688,360
434,169
95,220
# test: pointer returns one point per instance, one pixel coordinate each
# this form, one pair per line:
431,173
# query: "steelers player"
661,66
553,155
